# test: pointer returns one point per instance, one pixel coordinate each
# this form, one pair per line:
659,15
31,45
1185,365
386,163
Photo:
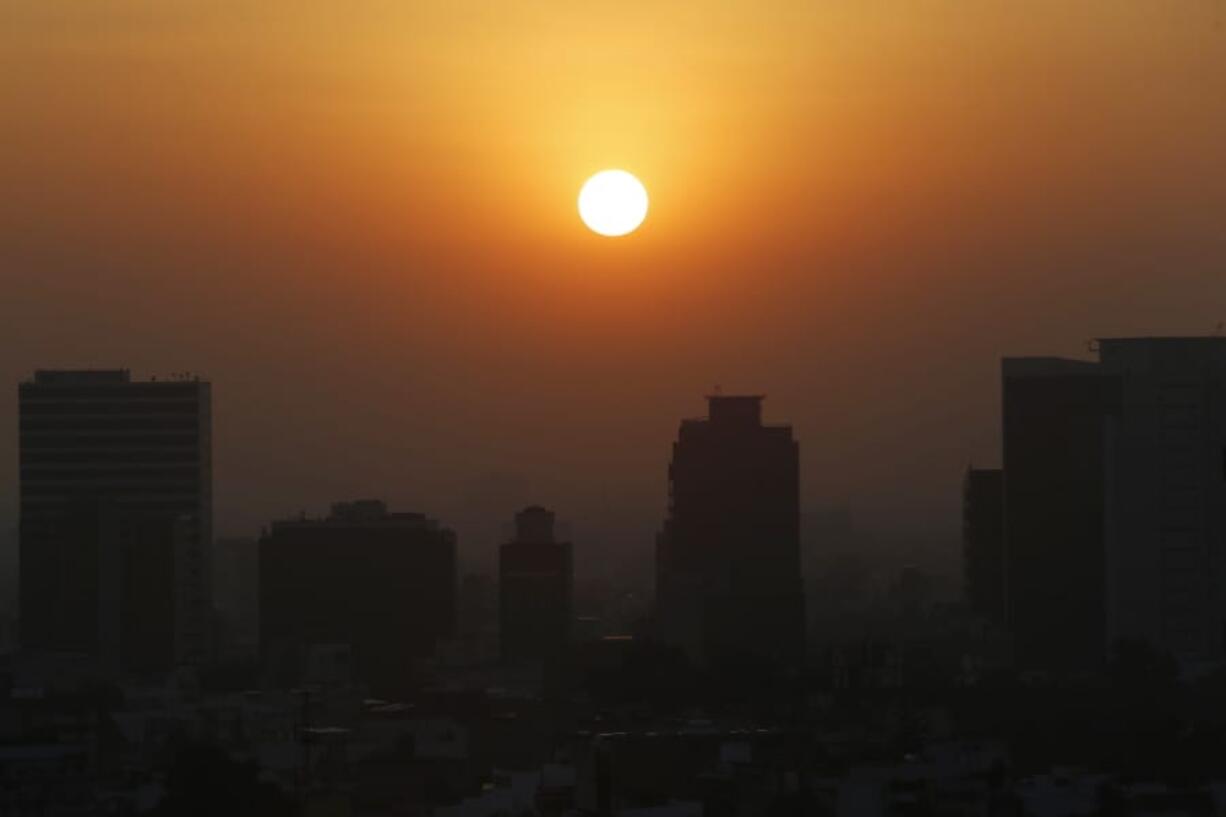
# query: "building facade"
1115,502
1055,463
383,583
535,590
116,517
983,543
728,557
236,595
1166,497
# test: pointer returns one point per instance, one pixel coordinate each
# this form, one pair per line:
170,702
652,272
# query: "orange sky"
360,224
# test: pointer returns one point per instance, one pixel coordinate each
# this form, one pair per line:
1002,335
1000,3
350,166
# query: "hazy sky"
358,220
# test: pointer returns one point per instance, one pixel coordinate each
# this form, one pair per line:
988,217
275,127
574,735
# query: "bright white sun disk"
613,203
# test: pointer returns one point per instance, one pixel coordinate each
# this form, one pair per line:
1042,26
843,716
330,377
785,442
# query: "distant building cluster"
326,623
118,565
1107,521
350,663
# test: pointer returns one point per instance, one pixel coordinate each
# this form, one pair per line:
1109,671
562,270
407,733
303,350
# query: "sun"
613,203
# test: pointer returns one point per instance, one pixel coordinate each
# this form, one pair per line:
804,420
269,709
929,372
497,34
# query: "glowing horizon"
364,219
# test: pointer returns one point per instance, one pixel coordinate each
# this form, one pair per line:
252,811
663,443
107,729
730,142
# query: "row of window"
31,409
28,424
72,442
74,473
122,391
127,488
70,456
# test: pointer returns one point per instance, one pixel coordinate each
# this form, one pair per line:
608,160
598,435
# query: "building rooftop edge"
1047,365
1165,339
104,377
400,518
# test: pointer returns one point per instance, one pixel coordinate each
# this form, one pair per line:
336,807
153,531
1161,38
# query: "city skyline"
472,408
478,507
498,493
854,211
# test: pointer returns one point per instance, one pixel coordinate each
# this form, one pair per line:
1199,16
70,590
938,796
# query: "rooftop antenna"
1217,330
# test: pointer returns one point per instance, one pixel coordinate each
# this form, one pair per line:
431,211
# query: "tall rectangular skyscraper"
728,557
1166,497
1055,463
116,517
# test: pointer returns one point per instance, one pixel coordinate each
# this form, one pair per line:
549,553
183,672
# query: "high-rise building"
116,517
983,542
728,558
1055,461
535,589
382,583
1166,497
1115,501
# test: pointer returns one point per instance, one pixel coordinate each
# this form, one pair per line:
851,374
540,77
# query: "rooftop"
102,377
1191,354
1181,340
741,409
361,512
81,376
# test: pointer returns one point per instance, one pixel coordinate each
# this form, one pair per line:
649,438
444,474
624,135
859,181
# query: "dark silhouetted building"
116,517
983,542
1166,495
382,583
236,595
535,590
1115,502
728,558
1055,498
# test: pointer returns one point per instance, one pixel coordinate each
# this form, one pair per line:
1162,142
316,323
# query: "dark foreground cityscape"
347,663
